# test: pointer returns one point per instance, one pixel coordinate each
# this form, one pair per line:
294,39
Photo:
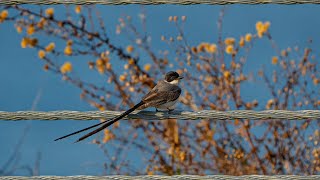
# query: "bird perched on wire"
163,97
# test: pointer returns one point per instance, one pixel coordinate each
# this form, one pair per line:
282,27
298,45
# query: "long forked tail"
105,124
81,130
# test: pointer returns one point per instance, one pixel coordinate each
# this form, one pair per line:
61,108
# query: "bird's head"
173,77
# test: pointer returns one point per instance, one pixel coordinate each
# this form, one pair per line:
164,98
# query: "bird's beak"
180,77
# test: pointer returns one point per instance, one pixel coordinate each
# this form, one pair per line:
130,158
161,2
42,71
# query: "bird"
163,96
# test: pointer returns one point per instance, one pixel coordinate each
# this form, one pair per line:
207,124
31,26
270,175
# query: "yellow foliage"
108,66
270,103
147,67
30,29
122,77
19,29
77,9
99,62
202,46
41,54
262,28
46,67
130,49
24,42
211,48
66,67
248,37
226,74
69,42
241,42
131,61
33,42
28,42
108,135
4,14
229,49
101,69
101,108
284,53
229,41
275,60
41,23
50,47
50,12
68,50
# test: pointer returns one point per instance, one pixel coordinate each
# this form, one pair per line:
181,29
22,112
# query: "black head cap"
171,75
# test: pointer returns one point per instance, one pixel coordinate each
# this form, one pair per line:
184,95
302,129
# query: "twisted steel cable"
151,115
156,2
156,177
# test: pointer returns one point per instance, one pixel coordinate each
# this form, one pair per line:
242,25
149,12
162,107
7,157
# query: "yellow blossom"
274,60
262,28
24,43
241,42
248,37
226,74
284,53
46,67
259,25
229,41
211,48
202,46
229,49
33,42
50,12
69,42
50,47
101,108
130,49
41,54
41,23
270,103
194,50
77,9
122,77
101,69
30,29
108,66
266,26
131,61
99,62
147,67
4,14
68,50
66,67
19,29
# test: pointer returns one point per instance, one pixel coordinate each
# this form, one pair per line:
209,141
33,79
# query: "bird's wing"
159,96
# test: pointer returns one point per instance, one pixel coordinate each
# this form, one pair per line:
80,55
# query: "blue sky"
22,77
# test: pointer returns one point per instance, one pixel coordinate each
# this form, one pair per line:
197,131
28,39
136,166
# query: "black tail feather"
108,123
80,130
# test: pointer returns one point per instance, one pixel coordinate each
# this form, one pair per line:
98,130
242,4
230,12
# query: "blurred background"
106,57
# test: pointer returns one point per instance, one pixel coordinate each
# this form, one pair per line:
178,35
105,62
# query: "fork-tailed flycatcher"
163,96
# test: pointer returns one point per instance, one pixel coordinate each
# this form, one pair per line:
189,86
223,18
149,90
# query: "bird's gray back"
162,93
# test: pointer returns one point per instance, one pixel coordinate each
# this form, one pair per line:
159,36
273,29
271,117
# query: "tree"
214,74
